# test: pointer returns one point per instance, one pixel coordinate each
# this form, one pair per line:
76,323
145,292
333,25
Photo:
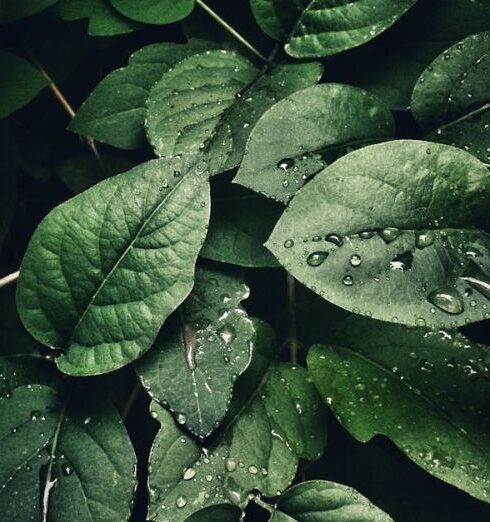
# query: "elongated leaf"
104,20
390,231
326,27
119,120
11,10
451,96
240,223
20,83
198,356
210,102
425,390
327,502
105,269
61,455
291,141
154,11
275,419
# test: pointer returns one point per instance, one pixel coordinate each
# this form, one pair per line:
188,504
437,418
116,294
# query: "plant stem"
10,278
130,401
232,31
293,333
257,500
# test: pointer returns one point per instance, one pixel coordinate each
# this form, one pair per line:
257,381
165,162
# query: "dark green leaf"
324,501
391,231
119,119
326,27
241,221
276,418
210,102
20,82
452,98
425,390
11,10
198,356
104,20
154,11
105,269
290,142
61,456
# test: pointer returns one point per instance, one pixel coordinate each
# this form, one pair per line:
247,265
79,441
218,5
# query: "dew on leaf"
317,258
355,260
447,299
335,239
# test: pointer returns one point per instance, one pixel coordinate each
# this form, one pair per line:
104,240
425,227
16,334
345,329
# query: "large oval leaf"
154,11
452,99
327,502
291,141
208,104
275,419
198,356
119,120
425,390
326,27
61,454
105,269
390,231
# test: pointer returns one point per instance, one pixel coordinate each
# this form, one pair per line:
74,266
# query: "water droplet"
366,235
177,173
181,502
285,164
35,415
288,243
317,258
227,334
181,418
348,280
425,239
335,239
230,464
355,260
189,474
360,386
420,321
447,299
389,234
66,469
253,470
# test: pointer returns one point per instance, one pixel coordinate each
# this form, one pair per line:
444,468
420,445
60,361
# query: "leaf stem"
232,31
8,279
293,330
257,500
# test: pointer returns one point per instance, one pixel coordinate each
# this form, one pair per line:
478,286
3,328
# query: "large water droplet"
348,280
230,464
189,474
425,239
389,234
285,164
317,258
447,299
181,501
355,260
335,239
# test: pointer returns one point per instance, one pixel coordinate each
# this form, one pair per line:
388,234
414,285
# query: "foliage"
248,277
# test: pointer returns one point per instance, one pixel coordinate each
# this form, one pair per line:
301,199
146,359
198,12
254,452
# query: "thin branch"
232,31
293,331
8,279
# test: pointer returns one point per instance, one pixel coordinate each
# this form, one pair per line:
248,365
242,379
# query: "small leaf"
240,223
106,268
425,390
20,83
154,11
328,501
104,20
208,104
391,231
291,140
198,356
119,120
322,27
61,456
275,419
451,96
12,10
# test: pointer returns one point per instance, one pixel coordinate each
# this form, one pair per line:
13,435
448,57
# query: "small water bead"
420,321
285,183
66,469
181,418
389,234
181,502
288,243
285,164
189,474
230,464
367,234
348,280
35,415
425,239
253,470
177,173
355,260
317,258
360,386
335,239
227,334
447,299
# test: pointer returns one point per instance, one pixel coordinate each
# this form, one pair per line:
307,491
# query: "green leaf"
105,269
154,11
326,502
119,120
81,172
241,221
325,27
20,83
11,10
210,102
391,231
104,20
451,96
291,140
61,455
425,390
198,356
275,419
